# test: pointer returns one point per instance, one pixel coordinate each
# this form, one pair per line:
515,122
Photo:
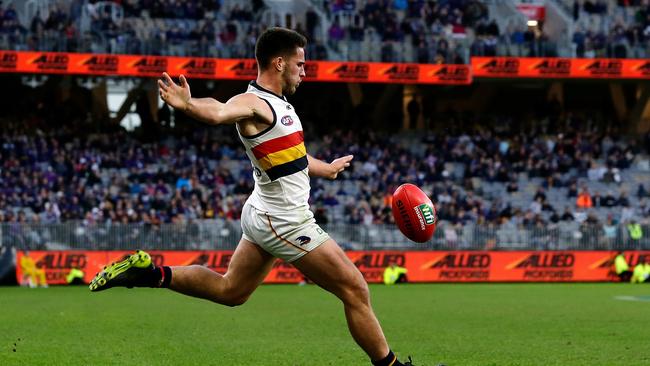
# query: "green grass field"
454,324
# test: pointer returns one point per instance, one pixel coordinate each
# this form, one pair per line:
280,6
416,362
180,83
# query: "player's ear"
279,63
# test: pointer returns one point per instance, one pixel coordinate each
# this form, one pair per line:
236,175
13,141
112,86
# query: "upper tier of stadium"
446,31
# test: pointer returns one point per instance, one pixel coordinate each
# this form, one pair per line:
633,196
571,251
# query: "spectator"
635,232
336,34
641,271
642,192
609,200
584,199
32,275
572,191
621,267
610,232
394,274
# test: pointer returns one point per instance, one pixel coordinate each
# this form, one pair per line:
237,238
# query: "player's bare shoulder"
262,115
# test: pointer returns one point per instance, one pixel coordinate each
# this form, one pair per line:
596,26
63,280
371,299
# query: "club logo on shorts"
303,240
286,120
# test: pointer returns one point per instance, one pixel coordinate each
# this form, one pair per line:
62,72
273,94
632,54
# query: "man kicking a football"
276,219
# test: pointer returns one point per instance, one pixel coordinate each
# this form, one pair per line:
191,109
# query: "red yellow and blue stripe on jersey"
282,156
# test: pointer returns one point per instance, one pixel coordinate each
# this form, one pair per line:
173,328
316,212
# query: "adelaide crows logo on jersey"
286,120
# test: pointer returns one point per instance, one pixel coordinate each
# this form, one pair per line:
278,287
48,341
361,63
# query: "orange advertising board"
423,266
390,73
237,69
327,71
554,67
611,68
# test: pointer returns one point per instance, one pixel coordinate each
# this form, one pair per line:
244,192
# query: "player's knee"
234,300
356,292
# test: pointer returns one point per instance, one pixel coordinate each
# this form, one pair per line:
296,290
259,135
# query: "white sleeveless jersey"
278,157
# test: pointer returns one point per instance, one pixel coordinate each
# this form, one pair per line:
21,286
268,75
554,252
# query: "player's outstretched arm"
208,110
319,168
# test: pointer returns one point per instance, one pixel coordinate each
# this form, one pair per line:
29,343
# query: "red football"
414,213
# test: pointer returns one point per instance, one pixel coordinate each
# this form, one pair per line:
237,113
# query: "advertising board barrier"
29,62
557,67
422,266
227,69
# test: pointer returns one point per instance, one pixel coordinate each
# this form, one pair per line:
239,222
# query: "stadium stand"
617,29
364,30
485,185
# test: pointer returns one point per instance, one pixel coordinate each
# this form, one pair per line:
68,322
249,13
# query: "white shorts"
288,235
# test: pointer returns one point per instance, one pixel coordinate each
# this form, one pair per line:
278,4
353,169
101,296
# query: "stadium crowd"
157,27
365,30
616,29
401,31
475,177
63,176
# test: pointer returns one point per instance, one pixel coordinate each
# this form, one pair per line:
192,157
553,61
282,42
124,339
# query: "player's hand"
340,164
177,96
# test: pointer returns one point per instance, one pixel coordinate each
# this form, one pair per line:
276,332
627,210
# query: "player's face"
293,72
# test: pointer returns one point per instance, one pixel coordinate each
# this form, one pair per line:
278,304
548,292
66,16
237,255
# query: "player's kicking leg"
331,269
248,267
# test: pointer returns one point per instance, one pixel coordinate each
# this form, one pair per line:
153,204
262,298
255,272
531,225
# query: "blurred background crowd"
572,176
443,31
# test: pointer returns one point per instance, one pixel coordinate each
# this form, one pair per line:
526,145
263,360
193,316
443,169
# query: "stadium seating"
608,28
365,30
471,177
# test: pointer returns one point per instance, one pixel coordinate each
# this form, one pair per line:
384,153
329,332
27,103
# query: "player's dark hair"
275,42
